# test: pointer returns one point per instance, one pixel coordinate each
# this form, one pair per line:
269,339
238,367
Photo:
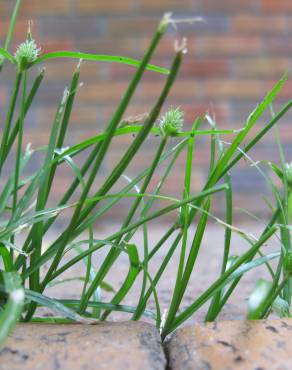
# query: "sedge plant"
28,270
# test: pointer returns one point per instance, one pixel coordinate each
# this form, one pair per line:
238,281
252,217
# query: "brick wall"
233,58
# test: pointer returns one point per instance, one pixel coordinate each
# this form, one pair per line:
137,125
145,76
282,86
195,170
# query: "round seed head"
26,53
171,122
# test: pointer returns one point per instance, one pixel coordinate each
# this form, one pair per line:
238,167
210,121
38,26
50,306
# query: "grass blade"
99,58
13,307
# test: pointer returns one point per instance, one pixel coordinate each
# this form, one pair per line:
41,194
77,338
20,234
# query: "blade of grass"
129,155
9,117
28,102
129,280
219,283
99,58
50,252
101,151
13,308
10,31
37,229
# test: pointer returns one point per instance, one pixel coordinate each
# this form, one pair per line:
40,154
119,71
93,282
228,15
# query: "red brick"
56,45
227,5
108,93
125,72
166,5
133,26
258,24
105,92
37,7
228,45
232,89
277,45
193,110
165,47
286,91
20,30
3,10
62,69
3,98
289,25
204,67
101,6
286,132
82,118
277,5
260,67
182,89
36,138
108,45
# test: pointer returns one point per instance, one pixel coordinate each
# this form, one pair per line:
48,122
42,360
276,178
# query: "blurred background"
233,59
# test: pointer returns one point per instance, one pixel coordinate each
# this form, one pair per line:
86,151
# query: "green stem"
113,255
102,150
247,256
129,155
19,143
9,116
10,29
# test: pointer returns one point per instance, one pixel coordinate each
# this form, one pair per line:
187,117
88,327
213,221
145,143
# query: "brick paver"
231,345
106,346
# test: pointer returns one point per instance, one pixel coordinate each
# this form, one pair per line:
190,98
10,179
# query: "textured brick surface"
104,7
232,345
36,7
115,346
277,6
233,58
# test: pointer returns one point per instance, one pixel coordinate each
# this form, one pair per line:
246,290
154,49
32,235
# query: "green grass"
28,270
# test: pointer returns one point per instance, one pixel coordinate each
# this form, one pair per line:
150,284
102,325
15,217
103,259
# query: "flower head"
26,53
171,122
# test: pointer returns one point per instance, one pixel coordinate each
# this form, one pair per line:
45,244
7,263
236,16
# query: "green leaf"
130,279
281,307
6,257
257,299
13,308
99,58
109,306
56,306
7,55
11,28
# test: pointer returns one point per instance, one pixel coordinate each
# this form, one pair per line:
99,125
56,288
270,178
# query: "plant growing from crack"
28,270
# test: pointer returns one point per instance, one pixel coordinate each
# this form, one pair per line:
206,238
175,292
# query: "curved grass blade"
219,283
130,279
56,306
99,58
256,301
110,307
10,30
7,55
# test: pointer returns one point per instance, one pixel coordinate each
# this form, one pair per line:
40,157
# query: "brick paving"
230,345
112,346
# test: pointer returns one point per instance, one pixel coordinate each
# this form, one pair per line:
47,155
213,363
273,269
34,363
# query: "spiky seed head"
26,53
288,173
171,122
